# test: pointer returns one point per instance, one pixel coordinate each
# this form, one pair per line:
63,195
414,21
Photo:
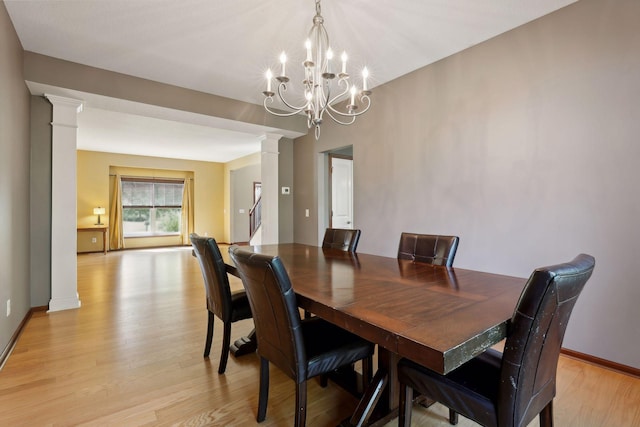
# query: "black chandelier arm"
274,112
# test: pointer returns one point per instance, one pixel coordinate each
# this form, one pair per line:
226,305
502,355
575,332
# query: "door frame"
330,157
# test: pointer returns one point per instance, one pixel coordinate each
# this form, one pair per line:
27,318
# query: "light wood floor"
132,356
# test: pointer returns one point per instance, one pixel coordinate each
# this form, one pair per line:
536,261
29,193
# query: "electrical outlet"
94,240
8,307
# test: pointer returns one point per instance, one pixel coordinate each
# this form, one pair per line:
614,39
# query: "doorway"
341,189
243,192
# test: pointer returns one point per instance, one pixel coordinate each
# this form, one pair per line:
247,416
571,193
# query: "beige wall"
93,190
14,183
526,146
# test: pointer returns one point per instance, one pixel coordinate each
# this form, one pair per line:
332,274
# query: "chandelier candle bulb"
344,63
329,58
353,95
365,74
283,60
269,75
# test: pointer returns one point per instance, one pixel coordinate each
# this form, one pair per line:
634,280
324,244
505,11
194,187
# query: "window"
151,207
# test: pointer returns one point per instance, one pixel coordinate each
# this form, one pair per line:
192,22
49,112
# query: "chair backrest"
216,281
341,238
534,339
275,311
428,248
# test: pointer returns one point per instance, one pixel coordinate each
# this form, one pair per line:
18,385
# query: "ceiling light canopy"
320,84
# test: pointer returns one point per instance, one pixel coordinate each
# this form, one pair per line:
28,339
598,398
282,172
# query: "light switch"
306,213
286,190
241,211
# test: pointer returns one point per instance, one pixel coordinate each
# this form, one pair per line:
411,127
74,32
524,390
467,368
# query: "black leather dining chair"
341,238
227,306
513,387
302,349
428,248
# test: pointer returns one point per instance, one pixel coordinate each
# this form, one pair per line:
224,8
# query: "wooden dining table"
440,317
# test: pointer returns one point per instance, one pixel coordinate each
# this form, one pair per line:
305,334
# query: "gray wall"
40,198
241,198
526,146
69,75
241,188
14,182
285,201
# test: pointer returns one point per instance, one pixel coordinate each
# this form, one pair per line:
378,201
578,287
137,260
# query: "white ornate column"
269,193
64,276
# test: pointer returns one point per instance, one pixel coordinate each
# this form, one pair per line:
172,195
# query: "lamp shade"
98,211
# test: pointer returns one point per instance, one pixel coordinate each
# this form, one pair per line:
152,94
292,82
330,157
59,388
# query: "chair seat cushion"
329,347
240,308
471,389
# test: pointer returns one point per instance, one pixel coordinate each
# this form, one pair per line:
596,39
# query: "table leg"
379,403
370,399
244,345
389,361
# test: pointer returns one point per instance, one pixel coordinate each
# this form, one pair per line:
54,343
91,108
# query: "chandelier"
319,96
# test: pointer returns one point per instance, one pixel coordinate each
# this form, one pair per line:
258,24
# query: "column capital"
65,110
272,136
269,143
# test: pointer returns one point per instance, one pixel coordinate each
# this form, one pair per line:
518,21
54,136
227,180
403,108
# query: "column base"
59,304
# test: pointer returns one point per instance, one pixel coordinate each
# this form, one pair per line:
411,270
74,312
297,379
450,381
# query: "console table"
105,233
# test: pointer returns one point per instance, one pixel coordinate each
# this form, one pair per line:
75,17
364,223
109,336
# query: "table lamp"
98,211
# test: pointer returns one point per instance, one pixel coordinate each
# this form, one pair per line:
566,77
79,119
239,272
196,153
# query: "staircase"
255,217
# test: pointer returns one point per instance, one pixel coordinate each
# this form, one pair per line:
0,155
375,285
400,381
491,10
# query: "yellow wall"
251,159
93,190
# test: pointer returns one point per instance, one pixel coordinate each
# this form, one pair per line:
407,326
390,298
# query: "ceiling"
225,47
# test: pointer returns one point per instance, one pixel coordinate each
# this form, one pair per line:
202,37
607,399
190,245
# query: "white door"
341,192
